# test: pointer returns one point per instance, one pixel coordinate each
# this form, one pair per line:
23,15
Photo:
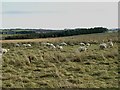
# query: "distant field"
41,67
77,38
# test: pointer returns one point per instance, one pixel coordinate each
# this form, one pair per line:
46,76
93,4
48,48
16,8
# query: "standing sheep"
103,46
63,44
17,45
52,46
24,45
59,47
82,48
88,44
82,44
2,50
110,43
29,45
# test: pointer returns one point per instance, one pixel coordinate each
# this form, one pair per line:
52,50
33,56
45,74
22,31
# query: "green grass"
41,67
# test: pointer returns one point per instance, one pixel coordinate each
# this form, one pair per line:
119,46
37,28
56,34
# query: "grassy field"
41,67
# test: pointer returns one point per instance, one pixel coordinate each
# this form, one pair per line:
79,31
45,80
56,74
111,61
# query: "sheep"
110,43
59,47
28,45
17,45
82,48
88,44
25,45
47,44
2,50
82,44
52,46
103,46
63,44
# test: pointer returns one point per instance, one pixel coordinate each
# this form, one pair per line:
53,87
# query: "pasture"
41,67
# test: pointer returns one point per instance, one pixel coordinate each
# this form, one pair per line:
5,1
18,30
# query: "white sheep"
17,45
63,44
2,50
110,43
88,44
82,44
24,45
59,47
103,46
44,43
82,48
52,46
47,44
29,45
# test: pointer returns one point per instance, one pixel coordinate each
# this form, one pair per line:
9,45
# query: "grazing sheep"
103,46
63,44
29,45
2,50
52,46
82,44
59,47
24,45
17,45
88,44
82,48
47,44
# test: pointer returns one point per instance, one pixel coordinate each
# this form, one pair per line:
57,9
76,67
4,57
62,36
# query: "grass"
42,67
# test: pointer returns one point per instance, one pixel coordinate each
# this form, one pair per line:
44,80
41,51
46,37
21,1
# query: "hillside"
41,67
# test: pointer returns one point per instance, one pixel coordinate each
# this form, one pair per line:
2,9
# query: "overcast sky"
59,15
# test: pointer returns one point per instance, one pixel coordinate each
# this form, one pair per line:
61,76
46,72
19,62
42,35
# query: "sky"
59,0
59,15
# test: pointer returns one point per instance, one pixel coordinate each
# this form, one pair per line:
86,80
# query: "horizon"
59,28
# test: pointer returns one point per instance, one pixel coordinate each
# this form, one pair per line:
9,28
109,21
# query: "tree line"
61,33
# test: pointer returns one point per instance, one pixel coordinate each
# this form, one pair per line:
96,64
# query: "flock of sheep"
60,46
102,46
83,46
